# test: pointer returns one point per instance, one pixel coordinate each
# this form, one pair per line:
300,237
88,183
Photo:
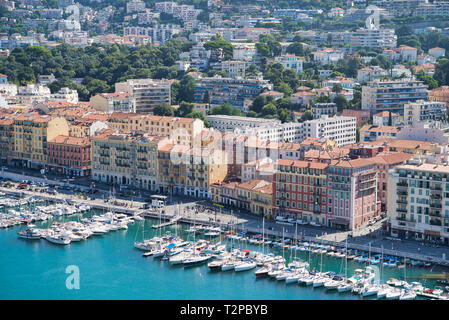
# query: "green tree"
163,109
187,89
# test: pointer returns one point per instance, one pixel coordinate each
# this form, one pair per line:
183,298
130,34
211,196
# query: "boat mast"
346,259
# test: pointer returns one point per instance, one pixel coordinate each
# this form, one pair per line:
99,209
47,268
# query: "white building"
147,92
327,56
282,132
234,68
437,52
230,123
370,73
66,94
244,51
418,204
135,6
391,95
321,109
339,129
373,38
421,111
291,61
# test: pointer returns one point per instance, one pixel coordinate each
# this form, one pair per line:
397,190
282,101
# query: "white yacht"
58,239
244,266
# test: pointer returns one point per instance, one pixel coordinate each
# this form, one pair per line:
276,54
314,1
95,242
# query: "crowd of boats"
363,282
72,231
21,211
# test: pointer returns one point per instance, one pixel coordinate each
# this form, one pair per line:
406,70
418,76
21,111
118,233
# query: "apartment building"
291,61
31,135
327,56
421,111
440,94
230,123
69,156
362,116
282,132
370,73
369,133
147,92
300,190
231,90
352,195
234,68
7,137
124,158
135,6
320,109
373,38
340,129
419,201
113,102
392,95
185,131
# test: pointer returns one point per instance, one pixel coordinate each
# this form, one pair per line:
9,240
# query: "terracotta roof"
253,184
361,162
391,158
74,141
385,129
385,114
302,164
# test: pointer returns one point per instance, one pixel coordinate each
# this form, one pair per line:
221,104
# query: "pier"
166,224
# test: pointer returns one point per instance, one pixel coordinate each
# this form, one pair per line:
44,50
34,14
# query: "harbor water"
111,268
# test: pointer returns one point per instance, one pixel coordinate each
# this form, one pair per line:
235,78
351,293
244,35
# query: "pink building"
362,116
352,193
69,155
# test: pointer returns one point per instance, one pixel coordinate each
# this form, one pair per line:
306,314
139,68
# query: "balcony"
401,210
434,214
402,184
435,196
436,205
401,218
401,201
403,193
435,222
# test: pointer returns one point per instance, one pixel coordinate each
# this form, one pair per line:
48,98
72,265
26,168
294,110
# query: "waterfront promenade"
208,214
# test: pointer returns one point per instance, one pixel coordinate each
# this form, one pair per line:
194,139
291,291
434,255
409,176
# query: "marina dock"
165,224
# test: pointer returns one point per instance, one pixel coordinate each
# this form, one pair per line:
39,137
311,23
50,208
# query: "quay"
166,224
237,225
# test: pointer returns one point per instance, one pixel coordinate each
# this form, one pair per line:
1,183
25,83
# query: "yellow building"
255,196
125,158
31,133
204,167
185,131
172,168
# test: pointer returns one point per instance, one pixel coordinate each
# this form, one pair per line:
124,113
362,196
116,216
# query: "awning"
434,233
339,221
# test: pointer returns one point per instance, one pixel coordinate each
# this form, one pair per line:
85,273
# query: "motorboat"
393,294
407,295
244,266
293,278
196,259
383,290
332,284
263,271
29,233
58,239
319,281
229,265
215,265
370,290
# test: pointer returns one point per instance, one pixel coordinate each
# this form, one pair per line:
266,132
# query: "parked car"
22,186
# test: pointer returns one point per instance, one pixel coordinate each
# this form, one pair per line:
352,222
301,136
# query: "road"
187,207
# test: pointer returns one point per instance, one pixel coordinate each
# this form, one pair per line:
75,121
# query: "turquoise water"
111,268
